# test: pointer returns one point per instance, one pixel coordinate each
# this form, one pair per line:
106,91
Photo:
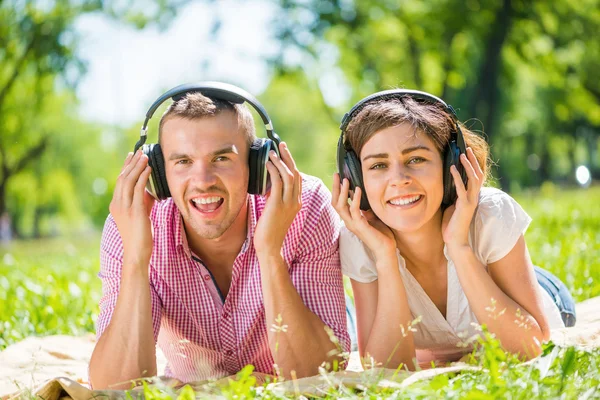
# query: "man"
218,277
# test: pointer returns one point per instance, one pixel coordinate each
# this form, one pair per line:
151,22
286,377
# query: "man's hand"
283,202
130,208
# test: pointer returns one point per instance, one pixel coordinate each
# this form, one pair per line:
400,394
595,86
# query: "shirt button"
207,277
229,353
225,314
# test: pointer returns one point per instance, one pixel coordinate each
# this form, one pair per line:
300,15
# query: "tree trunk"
484,103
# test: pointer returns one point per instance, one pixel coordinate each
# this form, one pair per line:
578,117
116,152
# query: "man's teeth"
405,201
207,200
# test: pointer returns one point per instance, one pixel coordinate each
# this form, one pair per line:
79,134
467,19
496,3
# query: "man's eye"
377,166
416,160
182,162
221,158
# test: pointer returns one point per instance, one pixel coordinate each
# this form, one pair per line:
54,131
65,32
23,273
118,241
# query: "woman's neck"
424,248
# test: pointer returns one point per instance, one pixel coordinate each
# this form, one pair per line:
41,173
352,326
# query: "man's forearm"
126,350
304,344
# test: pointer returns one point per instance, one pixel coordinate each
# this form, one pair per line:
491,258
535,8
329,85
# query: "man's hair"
431,119
194,105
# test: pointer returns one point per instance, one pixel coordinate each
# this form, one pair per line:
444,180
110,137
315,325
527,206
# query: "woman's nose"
400,176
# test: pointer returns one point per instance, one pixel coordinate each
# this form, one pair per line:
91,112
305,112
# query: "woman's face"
402,171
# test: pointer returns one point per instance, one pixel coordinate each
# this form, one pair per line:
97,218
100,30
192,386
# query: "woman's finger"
355,206
475,163
342,203
461,191
471,175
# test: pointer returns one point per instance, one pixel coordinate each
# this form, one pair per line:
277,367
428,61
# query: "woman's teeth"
405,201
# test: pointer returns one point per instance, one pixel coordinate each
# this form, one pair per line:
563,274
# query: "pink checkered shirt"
201,335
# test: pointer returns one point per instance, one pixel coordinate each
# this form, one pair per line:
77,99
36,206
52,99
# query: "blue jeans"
351,320
559,293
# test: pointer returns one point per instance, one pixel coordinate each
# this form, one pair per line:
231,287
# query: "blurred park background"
77,76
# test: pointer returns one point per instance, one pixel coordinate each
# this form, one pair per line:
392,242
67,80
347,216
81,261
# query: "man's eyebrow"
225,150
405,151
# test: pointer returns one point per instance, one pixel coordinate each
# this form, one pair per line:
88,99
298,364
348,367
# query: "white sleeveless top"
497,224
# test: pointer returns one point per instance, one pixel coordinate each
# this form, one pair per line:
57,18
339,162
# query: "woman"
431,252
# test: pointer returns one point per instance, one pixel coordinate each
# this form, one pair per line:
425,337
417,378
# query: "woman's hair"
429,118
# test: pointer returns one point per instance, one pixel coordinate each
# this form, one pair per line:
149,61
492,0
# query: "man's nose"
203,175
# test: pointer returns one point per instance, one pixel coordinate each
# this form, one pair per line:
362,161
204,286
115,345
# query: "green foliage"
526,73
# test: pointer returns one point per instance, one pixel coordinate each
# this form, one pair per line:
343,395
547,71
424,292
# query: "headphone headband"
214,90
393,94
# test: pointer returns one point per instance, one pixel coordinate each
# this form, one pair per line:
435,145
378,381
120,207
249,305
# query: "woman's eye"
377,166
416,160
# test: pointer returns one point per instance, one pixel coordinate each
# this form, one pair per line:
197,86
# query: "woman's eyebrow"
405,151
415,148
378,155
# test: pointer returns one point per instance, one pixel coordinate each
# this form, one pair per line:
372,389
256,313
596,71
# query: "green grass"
50,287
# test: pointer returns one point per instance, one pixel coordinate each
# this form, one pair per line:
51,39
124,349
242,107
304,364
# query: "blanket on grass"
55,367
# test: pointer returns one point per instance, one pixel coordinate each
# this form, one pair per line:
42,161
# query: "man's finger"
286,156
140,187
286,176
335,189
131,164
276,184
129,182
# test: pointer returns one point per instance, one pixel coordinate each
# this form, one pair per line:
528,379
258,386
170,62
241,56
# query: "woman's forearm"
514,327
391,340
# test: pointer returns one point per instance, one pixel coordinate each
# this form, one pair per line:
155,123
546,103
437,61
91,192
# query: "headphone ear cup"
353,171
452,157
157,182
258,180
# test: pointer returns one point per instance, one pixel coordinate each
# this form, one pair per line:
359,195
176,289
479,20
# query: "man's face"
206,165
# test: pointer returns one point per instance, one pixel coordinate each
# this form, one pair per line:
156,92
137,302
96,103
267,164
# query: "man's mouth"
207,205
406,201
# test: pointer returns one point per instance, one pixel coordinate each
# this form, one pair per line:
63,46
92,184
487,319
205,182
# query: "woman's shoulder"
495,203
497,224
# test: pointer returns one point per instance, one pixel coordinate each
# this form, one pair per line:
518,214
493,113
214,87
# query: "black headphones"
258,182
348,162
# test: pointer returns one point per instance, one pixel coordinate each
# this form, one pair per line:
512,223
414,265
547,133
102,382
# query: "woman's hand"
365,225
457,218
